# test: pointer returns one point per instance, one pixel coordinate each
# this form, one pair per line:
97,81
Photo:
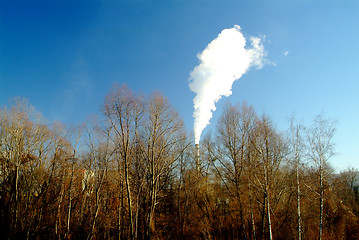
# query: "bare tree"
269,147
123,112
22,142
235,128
99,155
162,134
64,179
296,145
351,177
61,148
321,149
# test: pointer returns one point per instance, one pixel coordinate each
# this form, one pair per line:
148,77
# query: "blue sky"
65,55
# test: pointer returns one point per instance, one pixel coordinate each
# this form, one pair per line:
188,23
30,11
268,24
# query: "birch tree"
321,149
269,148
297,147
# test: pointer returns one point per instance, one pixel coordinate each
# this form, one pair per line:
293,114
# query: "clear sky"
65,55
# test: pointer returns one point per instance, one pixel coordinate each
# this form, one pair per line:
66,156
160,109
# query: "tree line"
132,173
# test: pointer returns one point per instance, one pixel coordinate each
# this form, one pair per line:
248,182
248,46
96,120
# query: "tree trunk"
58,218
266,192
298,205
269,218
16,183
129,200
151,223
251,210
70,203
264,216
242,219
119,217
321,202
97,205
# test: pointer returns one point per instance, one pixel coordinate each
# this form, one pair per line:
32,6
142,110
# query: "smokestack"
197,151
197,156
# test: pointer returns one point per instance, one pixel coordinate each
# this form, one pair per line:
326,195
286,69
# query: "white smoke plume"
222,62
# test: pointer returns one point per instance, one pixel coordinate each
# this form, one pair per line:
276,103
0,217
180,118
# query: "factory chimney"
197,156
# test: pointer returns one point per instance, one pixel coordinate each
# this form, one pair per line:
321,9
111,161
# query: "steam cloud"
222,62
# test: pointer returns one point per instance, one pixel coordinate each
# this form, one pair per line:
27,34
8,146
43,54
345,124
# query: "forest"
132,173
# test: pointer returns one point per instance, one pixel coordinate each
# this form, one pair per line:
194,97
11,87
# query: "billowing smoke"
222,62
